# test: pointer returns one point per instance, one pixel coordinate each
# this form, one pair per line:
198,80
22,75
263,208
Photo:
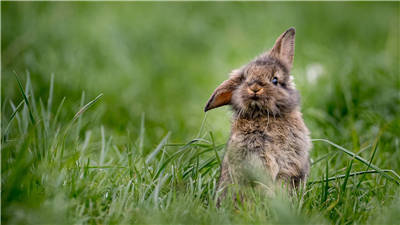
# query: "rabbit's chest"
253,141
275,152
248,148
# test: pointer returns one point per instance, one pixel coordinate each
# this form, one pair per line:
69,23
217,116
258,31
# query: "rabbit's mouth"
256,104
254,97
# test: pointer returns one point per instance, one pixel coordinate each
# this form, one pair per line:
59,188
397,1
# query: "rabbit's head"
263,87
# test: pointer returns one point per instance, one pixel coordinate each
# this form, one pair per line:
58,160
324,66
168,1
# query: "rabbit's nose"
255,89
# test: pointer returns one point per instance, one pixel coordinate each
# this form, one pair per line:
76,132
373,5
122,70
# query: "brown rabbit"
268,133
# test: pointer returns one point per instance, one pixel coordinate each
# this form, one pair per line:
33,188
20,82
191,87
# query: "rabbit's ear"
284,47
223,93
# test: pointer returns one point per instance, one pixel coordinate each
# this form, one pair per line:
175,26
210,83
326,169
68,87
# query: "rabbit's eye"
275,81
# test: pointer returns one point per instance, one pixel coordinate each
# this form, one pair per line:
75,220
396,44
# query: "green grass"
102,121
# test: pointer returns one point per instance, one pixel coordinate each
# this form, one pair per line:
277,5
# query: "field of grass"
102,116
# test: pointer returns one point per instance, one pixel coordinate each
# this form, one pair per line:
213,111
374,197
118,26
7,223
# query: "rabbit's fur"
268,136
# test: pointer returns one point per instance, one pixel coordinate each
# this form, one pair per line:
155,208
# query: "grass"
102,122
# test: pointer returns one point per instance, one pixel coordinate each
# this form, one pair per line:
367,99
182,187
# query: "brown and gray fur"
268,134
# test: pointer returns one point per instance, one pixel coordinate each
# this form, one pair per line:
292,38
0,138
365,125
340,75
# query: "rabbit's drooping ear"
223,93
284,47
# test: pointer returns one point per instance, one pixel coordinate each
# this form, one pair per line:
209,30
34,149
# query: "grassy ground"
106,124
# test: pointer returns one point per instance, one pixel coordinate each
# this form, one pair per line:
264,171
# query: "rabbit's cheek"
237,101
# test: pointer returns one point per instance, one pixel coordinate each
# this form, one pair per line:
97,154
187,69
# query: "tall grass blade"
160,182
16,110
347,175
372,158
103,146
58,110
86,107
78,127
158,148
326,156
362,160
21,89
173,156
31,94
350,175
50,98
141,135
326,186
202,125
215,150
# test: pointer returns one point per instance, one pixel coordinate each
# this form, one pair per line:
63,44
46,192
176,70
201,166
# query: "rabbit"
268,134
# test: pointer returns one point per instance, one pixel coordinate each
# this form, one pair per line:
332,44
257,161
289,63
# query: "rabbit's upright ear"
223,93
284,47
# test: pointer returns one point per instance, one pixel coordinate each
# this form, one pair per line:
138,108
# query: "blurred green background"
163,60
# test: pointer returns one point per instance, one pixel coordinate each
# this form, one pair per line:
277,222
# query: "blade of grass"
80,112
362,160
215,150
376,142
17,117
141,135
77,115
78,127
202,125
43,115
12,118
334,153
86,107
173,156
158,148
326,185
31,94
50,98
21,89
102,167
103,146
58,111
347,175
191,142
350,175
326,156
161,181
